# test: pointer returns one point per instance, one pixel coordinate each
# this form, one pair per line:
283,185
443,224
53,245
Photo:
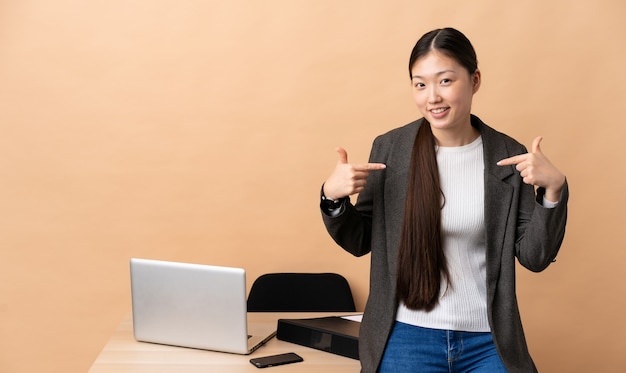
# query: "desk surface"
123,353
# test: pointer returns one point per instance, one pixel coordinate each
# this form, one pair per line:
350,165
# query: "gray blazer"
517,226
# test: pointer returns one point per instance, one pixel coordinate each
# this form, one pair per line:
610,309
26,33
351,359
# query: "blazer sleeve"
543,232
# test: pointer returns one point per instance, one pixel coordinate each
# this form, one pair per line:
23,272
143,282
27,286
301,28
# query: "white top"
462,305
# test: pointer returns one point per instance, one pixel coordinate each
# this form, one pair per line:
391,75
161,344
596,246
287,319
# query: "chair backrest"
301,292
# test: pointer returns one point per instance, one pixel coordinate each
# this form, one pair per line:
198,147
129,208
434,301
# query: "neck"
455,137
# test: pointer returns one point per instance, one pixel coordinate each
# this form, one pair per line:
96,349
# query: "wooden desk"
123,354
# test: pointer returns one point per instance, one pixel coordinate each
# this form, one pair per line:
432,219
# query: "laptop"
193,305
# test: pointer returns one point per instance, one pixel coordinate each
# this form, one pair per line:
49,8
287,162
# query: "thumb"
343,155
536,148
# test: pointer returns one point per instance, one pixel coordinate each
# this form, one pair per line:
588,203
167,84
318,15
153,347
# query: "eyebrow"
437,74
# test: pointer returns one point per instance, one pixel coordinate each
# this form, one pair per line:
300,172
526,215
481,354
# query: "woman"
446,204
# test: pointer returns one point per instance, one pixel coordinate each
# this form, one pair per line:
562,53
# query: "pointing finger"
375,166
512,160
343,155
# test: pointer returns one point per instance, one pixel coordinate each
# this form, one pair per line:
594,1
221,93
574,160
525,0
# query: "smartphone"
270,361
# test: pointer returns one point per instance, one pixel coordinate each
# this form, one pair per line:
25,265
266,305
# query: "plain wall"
201,131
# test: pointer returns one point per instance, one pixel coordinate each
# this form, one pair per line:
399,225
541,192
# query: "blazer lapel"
498,199
396,185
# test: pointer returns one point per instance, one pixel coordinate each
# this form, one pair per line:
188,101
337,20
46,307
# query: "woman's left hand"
536,169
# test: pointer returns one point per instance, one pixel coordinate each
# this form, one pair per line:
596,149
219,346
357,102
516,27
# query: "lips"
438,110
439,113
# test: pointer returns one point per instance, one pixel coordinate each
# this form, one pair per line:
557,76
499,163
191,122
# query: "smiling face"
443,91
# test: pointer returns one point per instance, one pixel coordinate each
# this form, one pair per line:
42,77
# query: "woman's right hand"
348,179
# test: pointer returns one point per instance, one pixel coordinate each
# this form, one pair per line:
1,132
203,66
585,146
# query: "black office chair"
301,292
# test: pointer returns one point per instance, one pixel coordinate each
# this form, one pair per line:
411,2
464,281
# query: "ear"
476,79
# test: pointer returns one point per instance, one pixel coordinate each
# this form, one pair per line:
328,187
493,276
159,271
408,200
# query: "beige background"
201,131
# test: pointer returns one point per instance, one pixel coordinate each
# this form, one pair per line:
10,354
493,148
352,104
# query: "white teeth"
437,111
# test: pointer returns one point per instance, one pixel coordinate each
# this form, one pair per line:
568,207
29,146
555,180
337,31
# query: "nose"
433,94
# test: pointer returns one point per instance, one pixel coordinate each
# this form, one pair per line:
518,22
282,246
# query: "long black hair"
421,261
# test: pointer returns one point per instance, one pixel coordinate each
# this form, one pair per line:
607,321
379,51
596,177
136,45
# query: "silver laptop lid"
189,305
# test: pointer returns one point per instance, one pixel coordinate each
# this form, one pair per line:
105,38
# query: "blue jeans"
416,349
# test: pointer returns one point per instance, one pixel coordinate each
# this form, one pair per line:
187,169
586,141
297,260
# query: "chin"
439,123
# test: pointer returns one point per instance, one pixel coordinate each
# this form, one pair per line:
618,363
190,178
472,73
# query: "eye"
419,85
445,81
